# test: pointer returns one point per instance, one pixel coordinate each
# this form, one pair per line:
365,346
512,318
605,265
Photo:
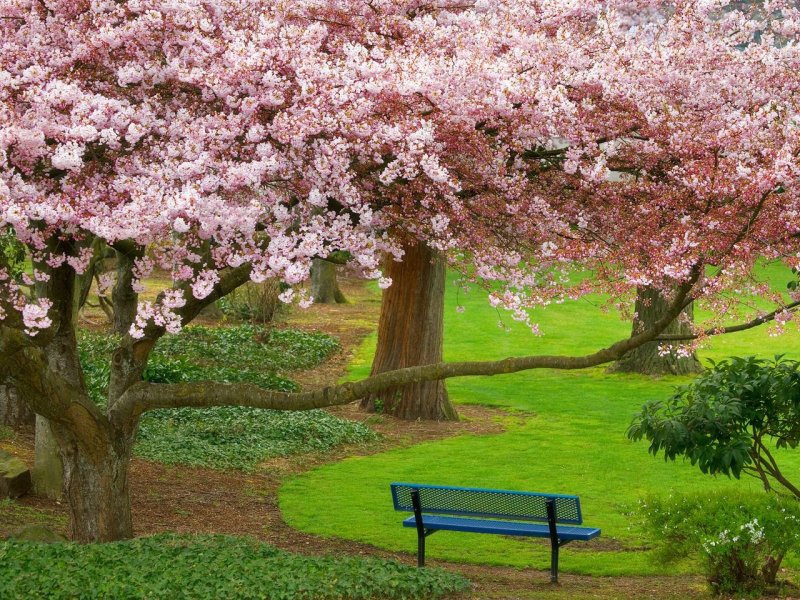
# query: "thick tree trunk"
96,487
324,286
410,333
14,412
646,359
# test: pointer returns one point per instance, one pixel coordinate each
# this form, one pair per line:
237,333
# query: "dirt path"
192,500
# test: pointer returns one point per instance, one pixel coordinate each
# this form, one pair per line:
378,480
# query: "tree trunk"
324,287
410,333
48,471
96,486
123,295
650,307
14,412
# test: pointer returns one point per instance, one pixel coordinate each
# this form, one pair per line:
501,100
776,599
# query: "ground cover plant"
13,513
207,567
566,433
227,437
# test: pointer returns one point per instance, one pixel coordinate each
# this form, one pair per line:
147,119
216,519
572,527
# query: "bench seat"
565,533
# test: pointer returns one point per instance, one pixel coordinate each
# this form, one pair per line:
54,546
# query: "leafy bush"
226,437
253,302
742,538
725,420
207,567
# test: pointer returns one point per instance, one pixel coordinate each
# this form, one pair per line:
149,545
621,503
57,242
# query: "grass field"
565,434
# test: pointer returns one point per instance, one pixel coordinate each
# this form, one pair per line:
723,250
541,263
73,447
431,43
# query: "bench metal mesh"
477,502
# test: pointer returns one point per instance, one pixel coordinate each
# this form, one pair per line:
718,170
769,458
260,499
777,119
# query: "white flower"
180,226
68,157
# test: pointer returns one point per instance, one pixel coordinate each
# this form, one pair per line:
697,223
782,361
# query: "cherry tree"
238,140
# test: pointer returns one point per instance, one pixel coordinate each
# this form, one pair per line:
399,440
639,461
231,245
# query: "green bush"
206,567
253,302
742,538
12,251
726,420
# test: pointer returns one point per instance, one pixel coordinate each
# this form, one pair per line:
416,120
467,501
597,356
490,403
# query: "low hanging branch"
144,396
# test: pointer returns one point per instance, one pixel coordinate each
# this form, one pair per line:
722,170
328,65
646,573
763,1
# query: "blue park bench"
476,510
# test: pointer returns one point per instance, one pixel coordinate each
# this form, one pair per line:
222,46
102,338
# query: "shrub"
742,538
726,420
207,567
253,302
12,251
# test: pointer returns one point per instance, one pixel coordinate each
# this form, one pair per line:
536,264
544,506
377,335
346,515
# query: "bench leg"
421,533
420,549
553,561
550,505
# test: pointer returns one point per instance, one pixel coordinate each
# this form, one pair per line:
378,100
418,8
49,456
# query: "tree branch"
124,298
130,358
143,396
677,337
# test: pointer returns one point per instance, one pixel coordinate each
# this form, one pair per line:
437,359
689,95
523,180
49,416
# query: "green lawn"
571,440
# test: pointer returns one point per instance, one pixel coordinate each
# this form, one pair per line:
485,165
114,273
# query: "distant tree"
728,418
324,283
653,358
13,411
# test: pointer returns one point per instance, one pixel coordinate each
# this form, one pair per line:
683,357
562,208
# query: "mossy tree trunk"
14,412
647,359
410,333
48,469
324,285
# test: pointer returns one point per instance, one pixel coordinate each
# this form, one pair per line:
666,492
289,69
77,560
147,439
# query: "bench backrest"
478,502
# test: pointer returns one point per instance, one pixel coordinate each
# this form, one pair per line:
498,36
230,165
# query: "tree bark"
96,486
14,412
124,298
48,470
650,307
324,286
410,333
